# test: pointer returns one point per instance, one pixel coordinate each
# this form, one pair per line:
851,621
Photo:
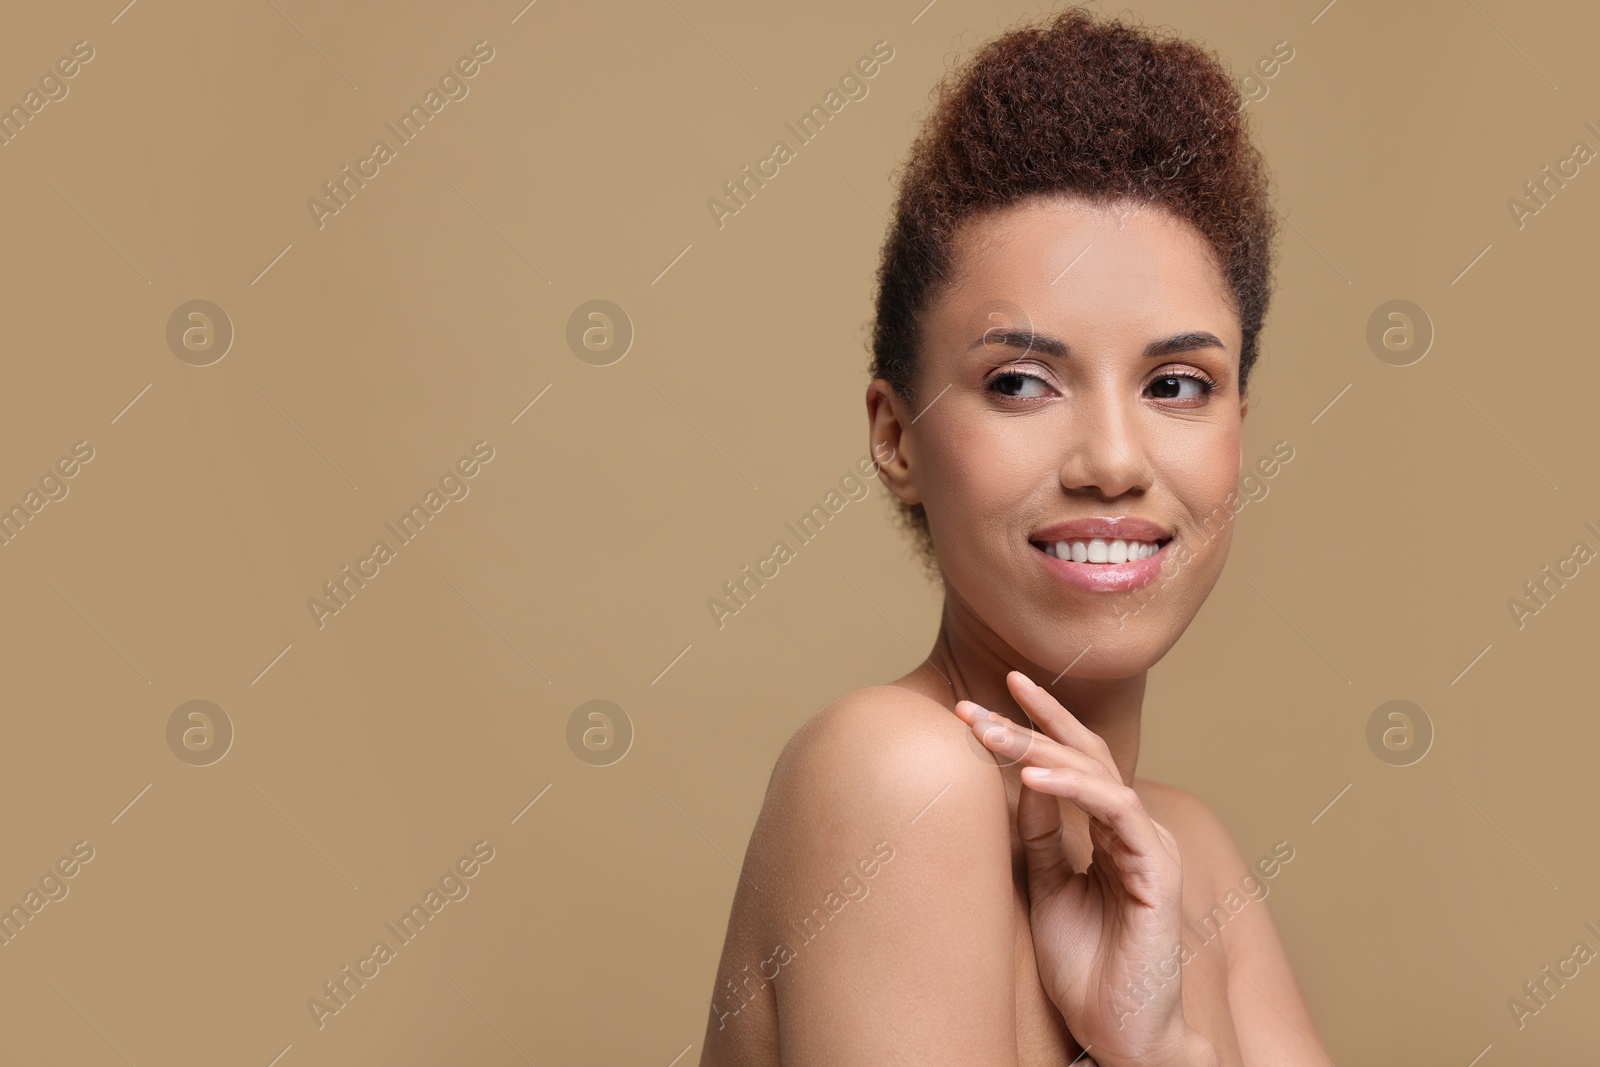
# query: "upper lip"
1107,527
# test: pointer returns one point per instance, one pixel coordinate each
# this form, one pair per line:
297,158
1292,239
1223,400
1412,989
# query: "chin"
1101,650
1111,635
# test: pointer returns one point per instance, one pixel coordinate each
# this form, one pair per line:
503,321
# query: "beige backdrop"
366,751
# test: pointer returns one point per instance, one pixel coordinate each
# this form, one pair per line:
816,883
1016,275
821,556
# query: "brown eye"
1014,383
1179,387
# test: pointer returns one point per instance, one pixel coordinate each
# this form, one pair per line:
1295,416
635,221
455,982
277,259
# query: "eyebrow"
1028,340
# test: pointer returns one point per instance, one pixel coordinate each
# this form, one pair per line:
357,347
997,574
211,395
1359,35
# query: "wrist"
1194,1049
1190,1049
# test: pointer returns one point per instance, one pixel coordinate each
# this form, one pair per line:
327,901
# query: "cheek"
1203,479
971,472
1200,465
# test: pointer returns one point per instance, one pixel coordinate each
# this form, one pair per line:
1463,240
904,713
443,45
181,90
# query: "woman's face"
1077,395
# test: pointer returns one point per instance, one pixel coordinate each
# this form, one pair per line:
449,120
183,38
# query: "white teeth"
1099,550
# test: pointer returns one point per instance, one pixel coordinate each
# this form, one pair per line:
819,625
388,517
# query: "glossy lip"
1108,527
1104,577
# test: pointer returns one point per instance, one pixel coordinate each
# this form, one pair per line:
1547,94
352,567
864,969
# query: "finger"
1039,826
1057,722
1052,716
1018,744
1138,854
967,710
1155,876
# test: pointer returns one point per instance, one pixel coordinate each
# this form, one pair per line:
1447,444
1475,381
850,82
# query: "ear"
887,432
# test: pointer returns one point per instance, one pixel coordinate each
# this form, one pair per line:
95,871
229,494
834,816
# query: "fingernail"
1035,774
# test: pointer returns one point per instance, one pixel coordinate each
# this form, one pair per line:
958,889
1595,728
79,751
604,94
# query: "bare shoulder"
1161,798
1269,1012
1192,820
884,856
881,760
1207,846
1178,803
880,736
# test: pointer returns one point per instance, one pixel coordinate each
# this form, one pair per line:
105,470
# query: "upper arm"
894,902
1269,1013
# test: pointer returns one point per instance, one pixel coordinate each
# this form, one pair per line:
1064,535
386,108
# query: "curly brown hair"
1094,108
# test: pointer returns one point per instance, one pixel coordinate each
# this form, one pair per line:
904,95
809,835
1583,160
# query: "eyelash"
1206,382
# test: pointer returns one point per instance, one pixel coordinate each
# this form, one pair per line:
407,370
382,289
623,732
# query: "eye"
1181,387
1016,383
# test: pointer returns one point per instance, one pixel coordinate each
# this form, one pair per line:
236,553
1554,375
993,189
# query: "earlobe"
891,441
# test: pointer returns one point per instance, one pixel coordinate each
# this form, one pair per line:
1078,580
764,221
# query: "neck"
969,662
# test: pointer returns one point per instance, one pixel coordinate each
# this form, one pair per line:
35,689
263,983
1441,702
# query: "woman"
955,868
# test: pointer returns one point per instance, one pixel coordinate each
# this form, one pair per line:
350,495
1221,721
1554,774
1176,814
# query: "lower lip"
1105,577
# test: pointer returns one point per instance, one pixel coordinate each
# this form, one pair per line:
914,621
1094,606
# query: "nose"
1105,453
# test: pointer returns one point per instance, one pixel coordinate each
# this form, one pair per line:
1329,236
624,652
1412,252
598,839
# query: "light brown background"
430,712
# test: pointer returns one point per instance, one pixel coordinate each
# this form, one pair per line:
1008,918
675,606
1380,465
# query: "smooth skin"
1014,911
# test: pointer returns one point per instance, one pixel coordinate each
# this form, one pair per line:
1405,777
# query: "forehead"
1123,267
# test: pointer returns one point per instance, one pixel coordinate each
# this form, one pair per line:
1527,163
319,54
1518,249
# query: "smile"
1102,564
1100,550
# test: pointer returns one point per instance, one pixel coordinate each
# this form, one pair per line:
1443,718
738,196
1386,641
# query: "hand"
1107,940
